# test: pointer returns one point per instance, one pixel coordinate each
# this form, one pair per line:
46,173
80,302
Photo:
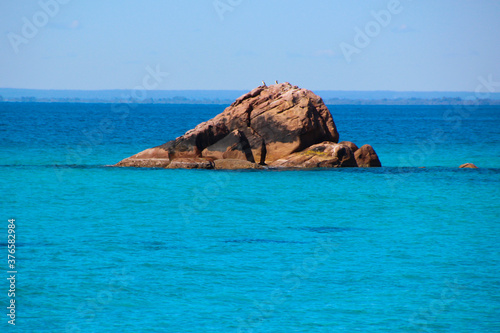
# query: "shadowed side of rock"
194,141
235,145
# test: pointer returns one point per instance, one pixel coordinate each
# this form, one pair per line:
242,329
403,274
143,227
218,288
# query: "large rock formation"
278,126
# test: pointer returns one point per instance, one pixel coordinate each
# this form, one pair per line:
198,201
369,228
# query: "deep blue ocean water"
394,249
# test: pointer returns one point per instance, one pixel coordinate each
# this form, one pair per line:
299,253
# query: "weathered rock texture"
279,126
322,155
366,157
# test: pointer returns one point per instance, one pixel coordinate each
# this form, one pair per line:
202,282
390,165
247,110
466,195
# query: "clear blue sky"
428,45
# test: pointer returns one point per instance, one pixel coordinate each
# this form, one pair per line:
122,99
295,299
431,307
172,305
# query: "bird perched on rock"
263,83
276,81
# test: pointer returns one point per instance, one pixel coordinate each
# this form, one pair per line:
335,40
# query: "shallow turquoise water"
105,249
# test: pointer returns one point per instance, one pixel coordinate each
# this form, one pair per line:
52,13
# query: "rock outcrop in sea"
278,126
468,166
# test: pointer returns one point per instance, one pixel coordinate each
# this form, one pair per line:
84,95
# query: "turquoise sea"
409,247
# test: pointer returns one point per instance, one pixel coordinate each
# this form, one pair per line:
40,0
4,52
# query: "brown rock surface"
232,164
191,163
194,141
144,163
234,146
366,157
322,155
149,158
468,166
350,145
280,120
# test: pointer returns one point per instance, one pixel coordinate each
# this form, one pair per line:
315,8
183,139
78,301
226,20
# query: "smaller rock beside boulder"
468,166
322,155
366,157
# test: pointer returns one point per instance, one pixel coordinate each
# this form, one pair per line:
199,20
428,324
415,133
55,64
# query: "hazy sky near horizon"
419,45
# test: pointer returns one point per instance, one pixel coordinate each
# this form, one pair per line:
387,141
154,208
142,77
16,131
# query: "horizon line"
115,89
